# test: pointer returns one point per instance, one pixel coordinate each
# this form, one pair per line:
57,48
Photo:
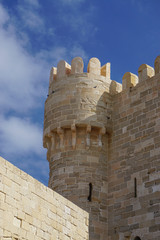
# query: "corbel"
60,132
52,137
102,131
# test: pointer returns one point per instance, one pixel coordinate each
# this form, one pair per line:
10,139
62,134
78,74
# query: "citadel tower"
102,139
76,131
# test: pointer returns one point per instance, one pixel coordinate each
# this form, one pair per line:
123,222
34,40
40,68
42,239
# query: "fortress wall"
30,210
76,124
134,165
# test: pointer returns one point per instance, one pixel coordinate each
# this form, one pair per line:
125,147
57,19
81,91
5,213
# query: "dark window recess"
137,238
135,191
90,192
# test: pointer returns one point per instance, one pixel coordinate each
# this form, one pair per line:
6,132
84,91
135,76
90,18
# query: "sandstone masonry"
31,211
103,142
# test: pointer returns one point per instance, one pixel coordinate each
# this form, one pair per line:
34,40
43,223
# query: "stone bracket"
102,131
60,132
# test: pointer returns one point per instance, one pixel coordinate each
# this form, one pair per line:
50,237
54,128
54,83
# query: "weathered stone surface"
94,66
106,70
129,80
111,139
157,65
38,212
77,65
63,68
144,72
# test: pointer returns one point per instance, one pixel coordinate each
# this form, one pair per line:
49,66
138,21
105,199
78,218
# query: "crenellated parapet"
77,98
77,67
65,70
103,73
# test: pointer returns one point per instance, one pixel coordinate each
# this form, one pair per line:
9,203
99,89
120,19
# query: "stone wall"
31,211
134,160
76,121
100,132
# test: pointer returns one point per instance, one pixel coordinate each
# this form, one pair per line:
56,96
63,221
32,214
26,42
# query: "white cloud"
53,55
23,83
20,136
4,17
58,53
31,18
21,78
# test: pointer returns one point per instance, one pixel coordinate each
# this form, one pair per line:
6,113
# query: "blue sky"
36,34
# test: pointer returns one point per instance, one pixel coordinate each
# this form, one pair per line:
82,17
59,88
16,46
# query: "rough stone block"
144,72
106,70
157,64
63,68
129,80
77,65
94,66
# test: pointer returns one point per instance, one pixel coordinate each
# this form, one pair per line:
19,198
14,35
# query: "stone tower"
103,142
77,125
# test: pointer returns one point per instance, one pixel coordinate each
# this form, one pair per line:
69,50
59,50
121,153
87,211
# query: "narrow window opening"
90,192
137,238
135,191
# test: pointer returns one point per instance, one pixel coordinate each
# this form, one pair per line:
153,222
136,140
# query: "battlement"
86,99
144,72
103,73
77,67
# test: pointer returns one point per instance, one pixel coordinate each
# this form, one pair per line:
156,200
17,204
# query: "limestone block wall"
29,210
134,159
104,139
77,122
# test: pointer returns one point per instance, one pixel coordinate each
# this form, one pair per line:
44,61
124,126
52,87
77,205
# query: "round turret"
77,123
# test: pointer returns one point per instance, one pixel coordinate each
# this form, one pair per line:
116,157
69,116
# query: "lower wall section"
30,210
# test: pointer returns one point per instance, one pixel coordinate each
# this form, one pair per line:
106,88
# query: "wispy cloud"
18,135
53,55
77,18
31,19
33,3
21,142
4,17
30,16
58,53
22,86
72,2
79,51
21,74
